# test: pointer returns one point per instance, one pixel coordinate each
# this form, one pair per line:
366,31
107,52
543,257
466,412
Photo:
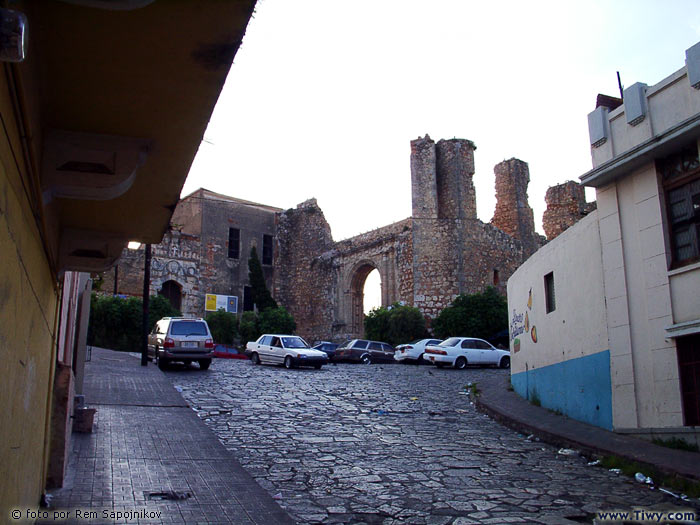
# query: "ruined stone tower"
513,214
566,205
423,178
442,179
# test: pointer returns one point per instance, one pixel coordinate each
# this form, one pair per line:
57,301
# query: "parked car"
288,350
181,339
364,351
462,351
413,352
325,346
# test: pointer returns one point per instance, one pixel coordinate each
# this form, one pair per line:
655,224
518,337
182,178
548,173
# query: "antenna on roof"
619,85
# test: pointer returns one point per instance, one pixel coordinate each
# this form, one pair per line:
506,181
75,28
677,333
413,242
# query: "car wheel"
255,358
317,367
288,362
420,360
163,363
366,359
461,363
505,362
204,363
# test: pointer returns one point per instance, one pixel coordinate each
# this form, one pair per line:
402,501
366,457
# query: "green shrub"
159,307
116,323
223,326
395,324
479,315
248,327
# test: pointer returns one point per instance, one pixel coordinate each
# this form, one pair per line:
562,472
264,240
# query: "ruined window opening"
496,278
549,296
234,243
267,250
248,299
681,180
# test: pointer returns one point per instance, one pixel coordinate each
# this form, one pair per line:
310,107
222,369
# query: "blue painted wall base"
579,388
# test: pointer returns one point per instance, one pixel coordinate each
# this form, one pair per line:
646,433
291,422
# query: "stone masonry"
513,214
566,205
426,260
442,251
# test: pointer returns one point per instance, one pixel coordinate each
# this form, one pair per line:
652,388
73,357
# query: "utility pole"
146,296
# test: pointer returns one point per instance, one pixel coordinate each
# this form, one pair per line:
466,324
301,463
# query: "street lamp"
146,297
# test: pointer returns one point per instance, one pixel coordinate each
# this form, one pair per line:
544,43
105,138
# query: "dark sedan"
325,346
364,351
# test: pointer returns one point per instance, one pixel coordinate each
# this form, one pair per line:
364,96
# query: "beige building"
605,319
103,110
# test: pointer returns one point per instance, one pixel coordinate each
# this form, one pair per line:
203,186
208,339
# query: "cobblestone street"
394,444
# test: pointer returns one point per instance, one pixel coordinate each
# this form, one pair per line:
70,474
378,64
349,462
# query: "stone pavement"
147,446
397,444
512,410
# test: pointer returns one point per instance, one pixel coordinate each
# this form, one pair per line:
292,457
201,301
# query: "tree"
276,321
223,326
479,315
261,295
395,324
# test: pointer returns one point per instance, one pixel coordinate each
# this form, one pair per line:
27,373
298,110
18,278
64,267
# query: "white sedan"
413,352
462,351
288,350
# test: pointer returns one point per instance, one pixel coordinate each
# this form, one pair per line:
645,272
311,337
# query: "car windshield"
188,328
452,341
294,342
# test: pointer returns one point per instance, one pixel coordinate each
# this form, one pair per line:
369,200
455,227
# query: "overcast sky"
324,96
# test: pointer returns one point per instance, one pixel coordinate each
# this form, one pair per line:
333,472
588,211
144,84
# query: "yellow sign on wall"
227,303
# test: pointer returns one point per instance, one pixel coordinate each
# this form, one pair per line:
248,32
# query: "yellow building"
100,123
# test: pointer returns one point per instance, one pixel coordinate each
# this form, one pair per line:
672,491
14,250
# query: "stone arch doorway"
357,295
172,291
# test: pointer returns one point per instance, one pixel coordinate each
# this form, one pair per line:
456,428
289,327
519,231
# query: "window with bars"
267,250
234,243
681,180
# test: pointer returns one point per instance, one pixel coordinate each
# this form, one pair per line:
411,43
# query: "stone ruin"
426,260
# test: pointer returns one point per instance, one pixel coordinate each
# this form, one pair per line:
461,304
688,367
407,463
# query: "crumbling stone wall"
513,214
195,253
306,279
566,205
176,258
386,249
442,251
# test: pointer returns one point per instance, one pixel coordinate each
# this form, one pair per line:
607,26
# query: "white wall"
577,326
650,358
562,358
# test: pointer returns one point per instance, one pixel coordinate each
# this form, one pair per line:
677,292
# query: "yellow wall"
28,306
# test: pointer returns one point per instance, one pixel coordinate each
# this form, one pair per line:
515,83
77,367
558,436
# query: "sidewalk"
146,443
510,409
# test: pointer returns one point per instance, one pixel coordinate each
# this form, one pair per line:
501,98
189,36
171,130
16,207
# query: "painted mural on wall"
520,324
173,267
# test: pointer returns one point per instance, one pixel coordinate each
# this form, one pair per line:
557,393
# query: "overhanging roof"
150,75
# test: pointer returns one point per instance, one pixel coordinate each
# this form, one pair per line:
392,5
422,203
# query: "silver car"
181,339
